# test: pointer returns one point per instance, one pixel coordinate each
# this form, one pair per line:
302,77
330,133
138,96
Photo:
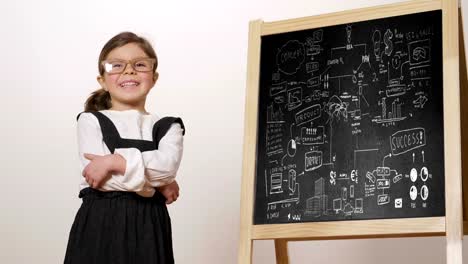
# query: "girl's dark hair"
100,99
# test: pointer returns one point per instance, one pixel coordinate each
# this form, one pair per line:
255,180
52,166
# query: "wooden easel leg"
248,171
281,249
464,114
245,252
452,27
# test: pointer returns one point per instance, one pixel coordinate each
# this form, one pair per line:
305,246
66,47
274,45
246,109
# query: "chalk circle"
413,175
424,192
291,148
424,174
413,193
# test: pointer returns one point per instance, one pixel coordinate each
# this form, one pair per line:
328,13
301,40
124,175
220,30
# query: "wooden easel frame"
450,226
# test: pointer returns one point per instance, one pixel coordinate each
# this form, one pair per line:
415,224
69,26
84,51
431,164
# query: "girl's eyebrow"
137,58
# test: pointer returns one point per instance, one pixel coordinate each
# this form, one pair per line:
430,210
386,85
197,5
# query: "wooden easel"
454,77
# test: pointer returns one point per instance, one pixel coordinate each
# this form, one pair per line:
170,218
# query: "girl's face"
129,88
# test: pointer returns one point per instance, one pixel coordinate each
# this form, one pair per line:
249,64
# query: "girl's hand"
101,167
170,191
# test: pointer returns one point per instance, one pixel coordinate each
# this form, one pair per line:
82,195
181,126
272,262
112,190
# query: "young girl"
129,160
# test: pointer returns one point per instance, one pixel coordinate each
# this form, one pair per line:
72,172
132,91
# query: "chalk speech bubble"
406,140
290,57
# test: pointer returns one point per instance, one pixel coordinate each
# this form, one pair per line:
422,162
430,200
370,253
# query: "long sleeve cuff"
134,177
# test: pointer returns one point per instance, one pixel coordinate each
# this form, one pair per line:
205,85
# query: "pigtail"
98,100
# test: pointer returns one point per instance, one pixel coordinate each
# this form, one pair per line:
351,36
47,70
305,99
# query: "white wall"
49,53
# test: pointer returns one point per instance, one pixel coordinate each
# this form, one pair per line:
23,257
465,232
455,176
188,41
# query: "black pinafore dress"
122,227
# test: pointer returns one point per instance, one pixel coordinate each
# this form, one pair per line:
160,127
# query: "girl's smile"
129,84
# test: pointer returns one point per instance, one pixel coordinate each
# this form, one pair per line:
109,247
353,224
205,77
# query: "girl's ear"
155,76
101,82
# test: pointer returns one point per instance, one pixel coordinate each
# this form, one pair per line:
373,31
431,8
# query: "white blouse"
144,170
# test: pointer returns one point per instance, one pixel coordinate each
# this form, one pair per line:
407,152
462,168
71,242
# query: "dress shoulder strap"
110,134
112,139
161,127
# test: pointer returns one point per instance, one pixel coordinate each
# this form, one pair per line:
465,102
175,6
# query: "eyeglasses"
118,66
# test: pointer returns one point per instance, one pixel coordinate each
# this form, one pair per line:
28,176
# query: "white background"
48,67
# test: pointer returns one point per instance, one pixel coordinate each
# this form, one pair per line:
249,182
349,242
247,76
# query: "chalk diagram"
341,127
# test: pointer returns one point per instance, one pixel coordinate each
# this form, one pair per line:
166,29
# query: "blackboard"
350,122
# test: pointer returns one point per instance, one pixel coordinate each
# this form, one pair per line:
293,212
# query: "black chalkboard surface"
350,122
